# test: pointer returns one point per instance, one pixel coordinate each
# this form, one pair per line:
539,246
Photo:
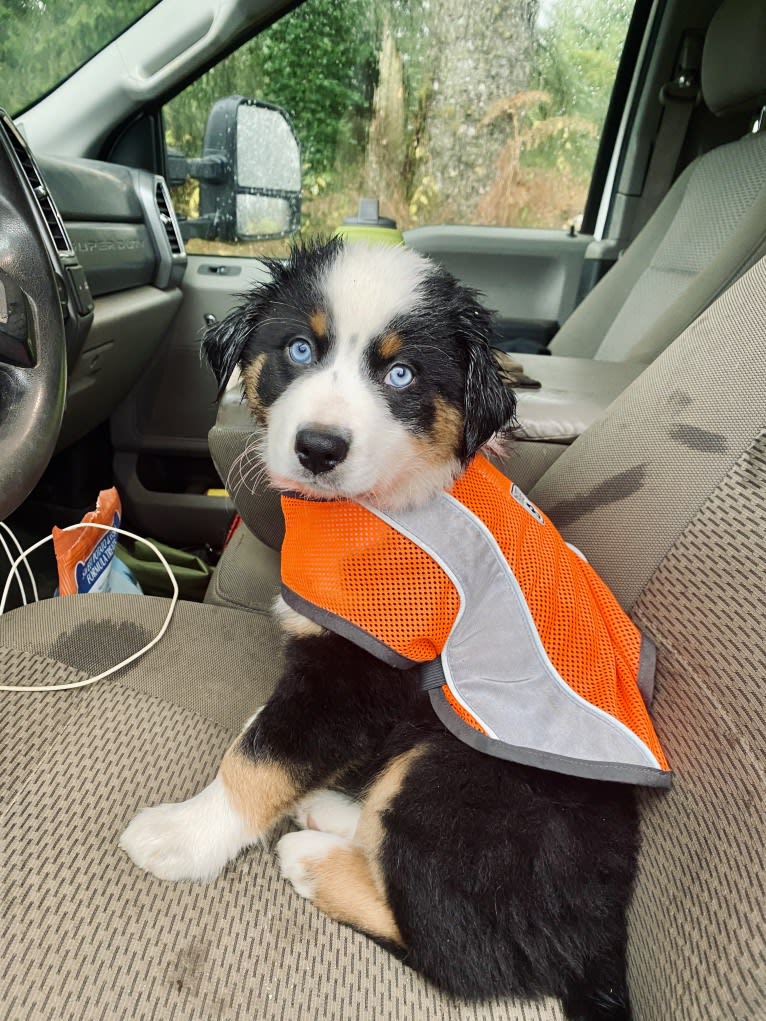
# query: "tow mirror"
249,174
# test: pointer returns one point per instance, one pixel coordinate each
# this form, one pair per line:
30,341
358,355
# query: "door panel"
523,274
173,408
160,432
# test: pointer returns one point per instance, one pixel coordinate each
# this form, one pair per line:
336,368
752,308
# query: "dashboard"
114,242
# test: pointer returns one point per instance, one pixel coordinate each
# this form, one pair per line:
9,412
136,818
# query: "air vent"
168,219
42,196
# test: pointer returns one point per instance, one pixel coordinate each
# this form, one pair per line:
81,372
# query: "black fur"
489,404
504,880
293,286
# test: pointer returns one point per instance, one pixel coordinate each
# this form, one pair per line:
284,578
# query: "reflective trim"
614,772
531,706
647,664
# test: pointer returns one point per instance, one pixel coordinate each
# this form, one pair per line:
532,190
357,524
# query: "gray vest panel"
496,666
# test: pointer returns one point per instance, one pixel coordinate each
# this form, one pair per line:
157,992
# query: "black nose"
320,451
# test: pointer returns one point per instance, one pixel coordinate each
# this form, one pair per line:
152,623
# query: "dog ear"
490,404
223,343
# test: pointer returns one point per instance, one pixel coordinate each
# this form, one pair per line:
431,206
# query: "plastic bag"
85,556
191,572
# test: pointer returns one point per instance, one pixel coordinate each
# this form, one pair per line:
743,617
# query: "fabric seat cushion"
708,229
86,935
666,495
632,482
697,946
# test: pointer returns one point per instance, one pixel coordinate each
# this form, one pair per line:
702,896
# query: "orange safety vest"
526,653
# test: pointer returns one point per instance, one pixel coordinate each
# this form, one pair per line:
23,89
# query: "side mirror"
249,174
268,173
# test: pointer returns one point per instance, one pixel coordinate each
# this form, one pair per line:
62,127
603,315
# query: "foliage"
528,133
43,41
318,63
578,48
552,128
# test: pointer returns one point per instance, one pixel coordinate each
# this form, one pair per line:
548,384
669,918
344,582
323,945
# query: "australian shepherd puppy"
371,372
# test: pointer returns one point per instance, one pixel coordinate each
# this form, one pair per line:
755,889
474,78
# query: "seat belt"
679,98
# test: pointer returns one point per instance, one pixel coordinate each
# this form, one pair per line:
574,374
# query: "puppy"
371,372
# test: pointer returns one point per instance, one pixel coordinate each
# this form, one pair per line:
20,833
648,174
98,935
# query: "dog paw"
328,811
189,840
298,852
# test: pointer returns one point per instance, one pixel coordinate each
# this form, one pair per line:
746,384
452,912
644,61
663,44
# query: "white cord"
17,544
125,662
22,590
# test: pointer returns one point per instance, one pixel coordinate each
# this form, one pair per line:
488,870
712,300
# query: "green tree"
577,50
43,41
578,47
318,63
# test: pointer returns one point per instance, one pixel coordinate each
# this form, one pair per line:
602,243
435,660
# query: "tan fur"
345,889
250,378
348,883
443,441
318,323
390,345
369,832
511,373
261,792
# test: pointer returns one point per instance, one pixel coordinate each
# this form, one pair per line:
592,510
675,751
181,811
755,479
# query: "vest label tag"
527,504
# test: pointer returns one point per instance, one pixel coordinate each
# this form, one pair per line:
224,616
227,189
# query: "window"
42,42
481,113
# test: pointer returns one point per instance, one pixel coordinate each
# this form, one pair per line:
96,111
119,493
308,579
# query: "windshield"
42,42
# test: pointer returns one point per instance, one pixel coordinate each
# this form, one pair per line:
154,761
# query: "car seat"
666,494
710,226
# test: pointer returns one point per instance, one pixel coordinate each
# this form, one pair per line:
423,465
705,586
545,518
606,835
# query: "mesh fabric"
343,559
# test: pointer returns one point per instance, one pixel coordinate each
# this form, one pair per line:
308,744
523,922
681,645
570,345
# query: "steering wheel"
32,337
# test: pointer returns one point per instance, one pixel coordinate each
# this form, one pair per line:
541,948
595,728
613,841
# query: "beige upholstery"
247,575
630,484
85,935
574,392
710,227
229,440
733,72
667,493
697,946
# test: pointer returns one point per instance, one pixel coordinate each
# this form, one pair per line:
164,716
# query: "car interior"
644,440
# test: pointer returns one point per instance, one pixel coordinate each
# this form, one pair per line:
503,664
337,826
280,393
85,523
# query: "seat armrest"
573,393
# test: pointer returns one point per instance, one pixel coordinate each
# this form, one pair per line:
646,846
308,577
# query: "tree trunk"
481,51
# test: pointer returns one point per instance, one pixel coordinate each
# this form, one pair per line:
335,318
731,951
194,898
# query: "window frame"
638,39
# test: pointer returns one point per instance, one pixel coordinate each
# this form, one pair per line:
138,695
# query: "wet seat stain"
99,644
699,439
188,968
612,490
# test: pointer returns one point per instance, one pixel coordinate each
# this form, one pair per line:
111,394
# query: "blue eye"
300,351
399,376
